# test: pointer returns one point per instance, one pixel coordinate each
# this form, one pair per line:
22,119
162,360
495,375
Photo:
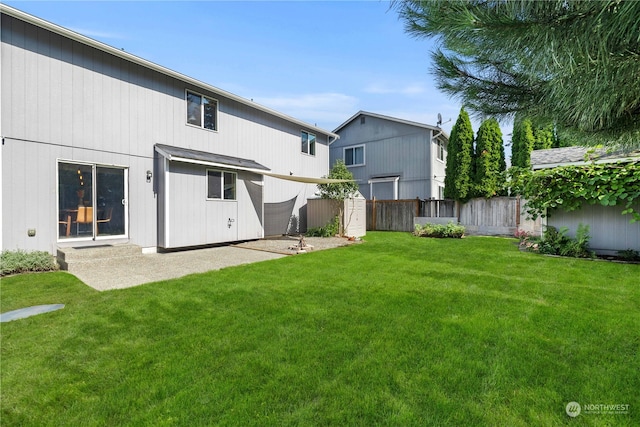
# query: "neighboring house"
391,158
102,147
610,231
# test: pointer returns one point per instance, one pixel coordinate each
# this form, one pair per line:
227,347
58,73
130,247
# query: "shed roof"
565,156
202,157
393,119
186,155
65,32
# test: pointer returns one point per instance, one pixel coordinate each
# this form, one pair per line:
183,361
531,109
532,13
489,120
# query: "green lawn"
397,331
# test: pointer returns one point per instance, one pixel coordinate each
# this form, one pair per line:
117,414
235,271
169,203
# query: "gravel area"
289,245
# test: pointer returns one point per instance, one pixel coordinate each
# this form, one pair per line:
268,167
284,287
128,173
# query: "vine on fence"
568,187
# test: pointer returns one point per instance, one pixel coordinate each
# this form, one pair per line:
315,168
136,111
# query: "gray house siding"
63,100
192,220
392,149
610,231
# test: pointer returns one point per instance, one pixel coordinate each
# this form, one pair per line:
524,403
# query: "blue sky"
318,61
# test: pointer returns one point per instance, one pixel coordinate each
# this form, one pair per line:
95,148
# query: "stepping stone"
29,311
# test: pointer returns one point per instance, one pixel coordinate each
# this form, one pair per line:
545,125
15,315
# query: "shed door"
222,221
222,206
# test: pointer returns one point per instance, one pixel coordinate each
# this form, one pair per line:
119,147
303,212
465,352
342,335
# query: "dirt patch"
288,245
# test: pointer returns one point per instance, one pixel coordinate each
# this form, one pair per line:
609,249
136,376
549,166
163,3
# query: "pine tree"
570,62
457,181
522,142
489,159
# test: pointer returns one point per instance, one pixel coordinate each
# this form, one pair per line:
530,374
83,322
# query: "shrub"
556,242
450,230
522,235
629,255
12,262
329,230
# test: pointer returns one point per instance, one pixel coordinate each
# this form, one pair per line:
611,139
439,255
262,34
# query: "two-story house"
102,147
392,158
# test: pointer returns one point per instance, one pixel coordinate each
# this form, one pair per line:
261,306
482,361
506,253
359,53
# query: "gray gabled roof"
393,119
565,156
72,35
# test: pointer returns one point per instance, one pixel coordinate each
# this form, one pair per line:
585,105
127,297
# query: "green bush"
450,230
12,262
556,242
629,255
329,230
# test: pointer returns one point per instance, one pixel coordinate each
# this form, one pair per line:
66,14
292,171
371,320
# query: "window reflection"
202,111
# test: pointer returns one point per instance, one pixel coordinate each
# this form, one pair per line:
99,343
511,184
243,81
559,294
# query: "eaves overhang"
186,155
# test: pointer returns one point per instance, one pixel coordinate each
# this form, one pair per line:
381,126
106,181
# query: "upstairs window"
308,143
221,185
440,149
354,156
202,111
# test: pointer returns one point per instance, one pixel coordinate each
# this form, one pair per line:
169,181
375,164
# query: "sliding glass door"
92,201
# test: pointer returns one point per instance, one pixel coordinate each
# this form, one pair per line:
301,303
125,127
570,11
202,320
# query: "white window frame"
354,147
311,146
222,184
202,98
125,201
394,179
440,192
440,150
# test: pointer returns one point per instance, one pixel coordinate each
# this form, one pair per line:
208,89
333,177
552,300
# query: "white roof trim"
384,179
23,16
392,119
303,179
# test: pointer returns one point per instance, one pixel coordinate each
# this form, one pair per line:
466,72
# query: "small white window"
440,149
221,185
354,156
202,111
308,143
441,192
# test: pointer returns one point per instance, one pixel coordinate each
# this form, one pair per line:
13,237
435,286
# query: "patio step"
69,256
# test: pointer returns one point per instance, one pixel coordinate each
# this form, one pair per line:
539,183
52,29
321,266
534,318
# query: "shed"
321,211
609,229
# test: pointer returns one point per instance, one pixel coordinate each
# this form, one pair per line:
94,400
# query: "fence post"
373,213
518,212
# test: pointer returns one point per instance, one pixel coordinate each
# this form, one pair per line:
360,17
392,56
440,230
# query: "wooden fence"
398,215
494,216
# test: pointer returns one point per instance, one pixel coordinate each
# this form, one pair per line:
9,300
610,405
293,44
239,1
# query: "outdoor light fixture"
149,175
